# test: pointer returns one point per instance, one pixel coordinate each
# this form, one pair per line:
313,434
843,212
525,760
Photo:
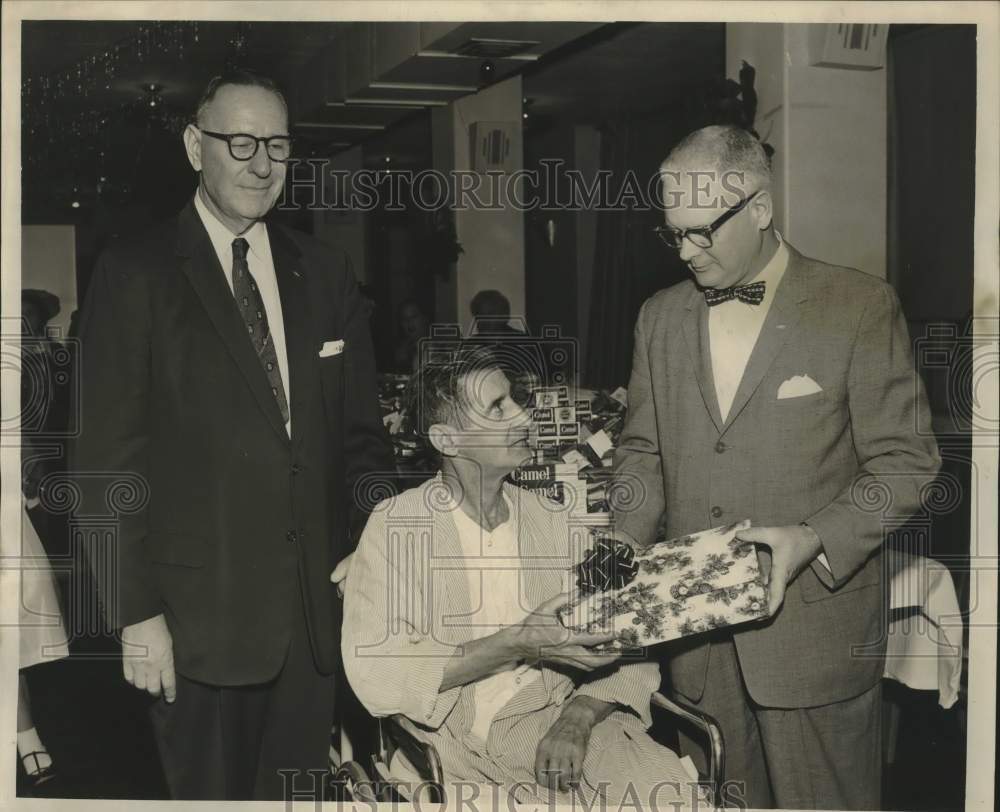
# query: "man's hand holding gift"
541,637
789,550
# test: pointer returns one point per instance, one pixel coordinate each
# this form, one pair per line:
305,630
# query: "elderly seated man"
450,618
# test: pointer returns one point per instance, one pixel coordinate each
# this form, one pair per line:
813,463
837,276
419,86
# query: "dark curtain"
609,359
630,261
931,212
931,206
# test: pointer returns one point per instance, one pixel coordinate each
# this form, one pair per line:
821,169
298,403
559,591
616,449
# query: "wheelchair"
404,765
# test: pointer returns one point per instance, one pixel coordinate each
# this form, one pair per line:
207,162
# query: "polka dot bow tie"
752,294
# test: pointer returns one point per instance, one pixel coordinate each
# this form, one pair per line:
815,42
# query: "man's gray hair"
240,78
722,150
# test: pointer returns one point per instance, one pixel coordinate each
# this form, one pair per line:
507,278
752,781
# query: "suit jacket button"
291,536
716,512
296,468
720,447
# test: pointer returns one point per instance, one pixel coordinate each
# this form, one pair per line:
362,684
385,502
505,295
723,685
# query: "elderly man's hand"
561,752
542,637
148,657
791,550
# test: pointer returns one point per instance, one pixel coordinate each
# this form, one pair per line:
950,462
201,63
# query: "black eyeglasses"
700,236
243,146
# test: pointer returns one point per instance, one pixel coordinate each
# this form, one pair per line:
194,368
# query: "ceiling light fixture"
152,98
423,86
335,125
387,103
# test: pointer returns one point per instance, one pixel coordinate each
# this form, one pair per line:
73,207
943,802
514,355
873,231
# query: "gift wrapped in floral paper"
676,588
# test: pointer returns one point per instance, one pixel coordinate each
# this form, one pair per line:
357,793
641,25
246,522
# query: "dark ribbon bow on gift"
609,565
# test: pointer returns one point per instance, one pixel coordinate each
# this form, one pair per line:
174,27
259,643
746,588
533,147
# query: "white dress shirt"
733,330
498,595
734,327
261,266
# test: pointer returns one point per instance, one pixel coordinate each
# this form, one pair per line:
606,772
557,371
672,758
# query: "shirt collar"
222,238
465,523
773,272
775,268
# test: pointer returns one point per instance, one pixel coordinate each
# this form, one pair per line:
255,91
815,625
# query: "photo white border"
982,634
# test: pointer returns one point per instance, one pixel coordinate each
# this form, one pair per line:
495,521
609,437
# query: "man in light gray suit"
781,389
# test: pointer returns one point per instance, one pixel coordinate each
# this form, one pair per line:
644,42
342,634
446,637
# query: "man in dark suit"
781,389
229,364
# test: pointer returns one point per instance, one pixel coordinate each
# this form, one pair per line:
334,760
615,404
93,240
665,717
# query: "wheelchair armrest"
399,732
713,733
405,726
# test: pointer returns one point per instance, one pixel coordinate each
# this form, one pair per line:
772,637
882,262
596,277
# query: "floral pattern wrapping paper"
684,586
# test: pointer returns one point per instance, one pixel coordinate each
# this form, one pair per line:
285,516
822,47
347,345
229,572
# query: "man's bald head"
727,153
717,205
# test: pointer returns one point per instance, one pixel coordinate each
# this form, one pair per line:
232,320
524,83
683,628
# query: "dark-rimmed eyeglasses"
243,146
700,236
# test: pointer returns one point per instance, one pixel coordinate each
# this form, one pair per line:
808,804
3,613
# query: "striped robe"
406,612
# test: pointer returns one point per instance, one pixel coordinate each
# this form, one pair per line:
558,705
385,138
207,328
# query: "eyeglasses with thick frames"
701,236
243,146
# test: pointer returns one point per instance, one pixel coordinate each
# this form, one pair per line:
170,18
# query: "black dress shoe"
42,783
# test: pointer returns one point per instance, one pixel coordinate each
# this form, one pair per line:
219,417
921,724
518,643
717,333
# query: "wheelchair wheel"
351,783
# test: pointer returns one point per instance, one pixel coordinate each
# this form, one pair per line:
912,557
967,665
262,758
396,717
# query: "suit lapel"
295,315
781,321
453,605
201,266
451,598
543,564
695,328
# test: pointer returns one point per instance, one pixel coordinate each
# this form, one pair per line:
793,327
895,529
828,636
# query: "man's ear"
762,207
441,436
192,144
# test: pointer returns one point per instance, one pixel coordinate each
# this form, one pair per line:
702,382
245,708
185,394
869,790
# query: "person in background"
778,388
46,401
41,396
41,630
411,326
520,356
229,364
38,308
491,315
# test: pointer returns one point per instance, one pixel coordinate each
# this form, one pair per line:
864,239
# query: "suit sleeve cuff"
830,524
422,700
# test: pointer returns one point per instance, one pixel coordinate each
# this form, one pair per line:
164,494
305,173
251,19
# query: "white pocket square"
798,386
331,348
